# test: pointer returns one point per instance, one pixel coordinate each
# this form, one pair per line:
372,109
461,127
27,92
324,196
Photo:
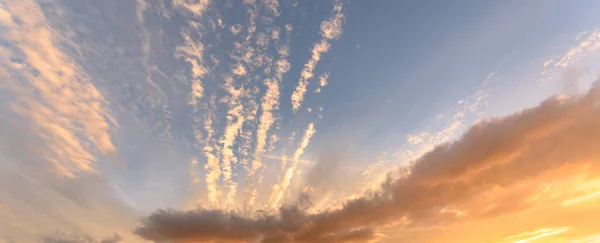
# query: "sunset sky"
288,121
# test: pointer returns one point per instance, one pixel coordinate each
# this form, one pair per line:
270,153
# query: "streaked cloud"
195,7
192,52
534,235
588,45
212,165
57,97
331,29
322,82
289,172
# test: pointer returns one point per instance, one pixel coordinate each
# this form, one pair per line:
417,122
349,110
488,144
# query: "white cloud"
548,62
588,42
236,29
196,7
192,52
323,79
239,70
235,120
331,29
289,173
587,46
212,164
417,139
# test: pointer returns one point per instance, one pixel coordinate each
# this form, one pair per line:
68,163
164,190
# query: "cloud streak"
331,29
269,104
279,191
192,52
58,97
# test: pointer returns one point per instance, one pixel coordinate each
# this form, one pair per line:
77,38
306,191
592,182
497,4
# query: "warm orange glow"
534,235
588,239
582,198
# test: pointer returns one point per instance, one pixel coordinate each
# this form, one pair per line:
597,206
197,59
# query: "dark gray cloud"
61,237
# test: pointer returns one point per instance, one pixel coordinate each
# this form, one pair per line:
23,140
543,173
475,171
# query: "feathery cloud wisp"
589,45
289,173
195,7
235,121
192,52
212,162
58,97
331,29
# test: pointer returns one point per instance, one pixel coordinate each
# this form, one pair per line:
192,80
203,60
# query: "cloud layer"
490,160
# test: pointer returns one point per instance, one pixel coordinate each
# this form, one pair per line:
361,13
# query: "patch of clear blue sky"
418,58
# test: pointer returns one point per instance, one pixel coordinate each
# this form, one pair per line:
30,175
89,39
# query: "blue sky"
135,97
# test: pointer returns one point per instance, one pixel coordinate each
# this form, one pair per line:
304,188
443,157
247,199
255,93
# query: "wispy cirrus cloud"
58,97
192,52
590,44
212,162
322,82
235,121
586,44
195,7
280,189
331,29
269,105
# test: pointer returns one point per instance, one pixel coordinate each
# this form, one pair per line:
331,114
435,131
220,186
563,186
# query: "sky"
267,121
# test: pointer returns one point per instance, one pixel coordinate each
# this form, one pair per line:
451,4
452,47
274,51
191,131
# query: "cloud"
588,42
235,121
61,237
210,151
239,70
269,104
534,235
331,29
323,79
417,139
470,107
209,225
192,52
195,7
236,29
588,45
289,173
53,92
194,171
322,82
538,144
36,202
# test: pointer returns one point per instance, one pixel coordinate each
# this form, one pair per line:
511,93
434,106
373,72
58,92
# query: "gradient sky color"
110,110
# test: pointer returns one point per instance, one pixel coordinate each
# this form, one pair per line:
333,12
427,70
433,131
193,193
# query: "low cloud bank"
496,153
